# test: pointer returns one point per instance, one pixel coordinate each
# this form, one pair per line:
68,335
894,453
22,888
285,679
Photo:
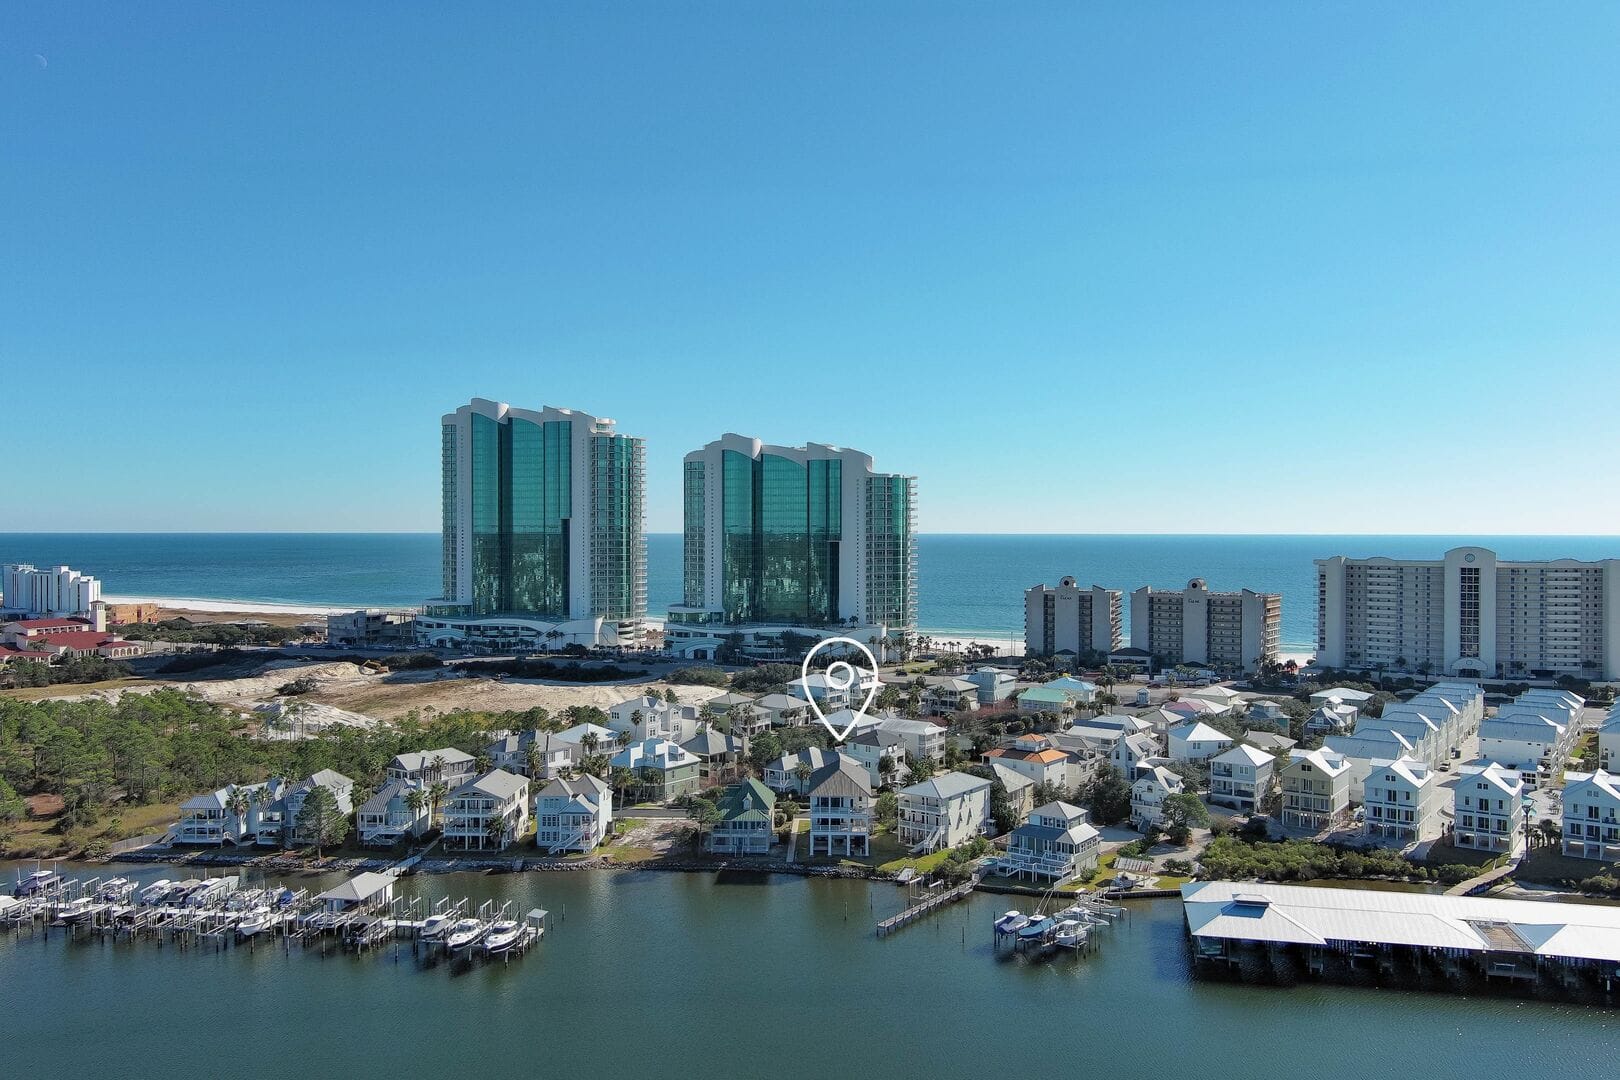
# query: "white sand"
187,603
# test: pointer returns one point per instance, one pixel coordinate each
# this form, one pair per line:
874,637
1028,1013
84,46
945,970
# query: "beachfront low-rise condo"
1071,620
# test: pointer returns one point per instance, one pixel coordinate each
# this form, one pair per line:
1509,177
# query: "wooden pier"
926,906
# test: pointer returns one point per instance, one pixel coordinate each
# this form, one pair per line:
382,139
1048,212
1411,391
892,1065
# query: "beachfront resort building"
573,813
1488,808
1402,801
1072,620
488,813
1591,827
1056,844
59,592
542,532
1469,613
944,811
1230,630
1315,789
808,541
747,820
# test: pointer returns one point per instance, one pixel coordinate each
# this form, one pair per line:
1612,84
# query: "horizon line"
660,532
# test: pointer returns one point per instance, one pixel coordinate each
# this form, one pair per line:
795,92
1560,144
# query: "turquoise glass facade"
781,526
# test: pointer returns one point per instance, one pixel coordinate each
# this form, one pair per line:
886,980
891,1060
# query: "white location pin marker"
841,675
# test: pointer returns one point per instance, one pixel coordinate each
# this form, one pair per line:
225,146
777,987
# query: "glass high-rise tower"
803,536
542,518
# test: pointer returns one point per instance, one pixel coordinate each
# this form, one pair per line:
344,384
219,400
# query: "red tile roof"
46,624
13,651
82,639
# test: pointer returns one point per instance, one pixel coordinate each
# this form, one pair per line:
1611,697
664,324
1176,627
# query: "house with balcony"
1154,784
444,765
1044,699
572,813
944,811
1402,801
649,717
393,814
746,825
833,693
1488,809
880,752
662,769
1020,790
719,756
210,819
1315,790
1332,719
918,738
1367,744
1196,741
994,685
784,710
840,809
1591,827
1266,711
551,753
1056,844
278,820
488,813
1034,756
1131,754
1241,778
790,773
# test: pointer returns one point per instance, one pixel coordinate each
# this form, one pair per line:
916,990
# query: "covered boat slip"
1279,932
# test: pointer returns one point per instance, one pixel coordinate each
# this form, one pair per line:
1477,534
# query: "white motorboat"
155,892
1012,922
434,926
502,936
76,911
254,921
246,900
1070,933
465,932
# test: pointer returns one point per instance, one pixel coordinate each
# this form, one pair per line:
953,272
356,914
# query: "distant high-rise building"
1070,618
1195,626
1470,614
59,592
542,530
799,538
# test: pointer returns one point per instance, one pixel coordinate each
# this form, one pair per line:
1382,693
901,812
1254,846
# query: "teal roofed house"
1043,699
747,811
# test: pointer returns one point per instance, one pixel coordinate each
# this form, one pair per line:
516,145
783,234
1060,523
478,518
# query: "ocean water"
967,583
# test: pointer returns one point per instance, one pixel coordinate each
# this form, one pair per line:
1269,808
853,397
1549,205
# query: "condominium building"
1402,801
1591,828
1469,613
542,528
810,540
1237,630
1071,619
55,593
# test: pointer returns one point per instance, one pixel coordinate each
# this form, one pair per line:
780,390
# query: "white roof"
497,782
1507,780
1199,732
1343,693
946,786
1324,760
1414,772
652,754
1223,694
1606,782
1243,754
417,761
360,887
1159,776
1011,780
1302,914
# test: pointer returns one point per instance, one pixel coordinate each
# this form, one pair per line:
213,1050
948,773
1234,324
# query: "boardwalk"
927,906
1481,882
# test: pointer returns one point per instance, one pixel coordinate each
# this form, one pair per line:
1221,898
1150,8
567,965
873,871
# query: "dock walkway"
927,906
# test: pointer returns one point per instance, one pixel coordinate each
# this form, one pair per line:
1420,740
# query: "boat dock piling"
926,905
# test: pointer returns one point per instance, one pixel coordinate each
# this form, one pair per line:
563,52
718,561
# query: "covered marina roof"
1307,915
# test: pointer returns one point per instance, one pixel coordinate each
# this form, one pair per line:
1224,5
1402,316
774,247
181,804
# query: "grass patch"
35,838
1444,854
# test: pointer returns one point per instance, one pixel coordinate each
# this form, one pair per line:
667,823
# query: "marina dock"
922,907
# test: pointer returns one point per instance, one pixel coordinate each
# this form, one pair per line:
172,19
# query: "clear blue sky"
1131,268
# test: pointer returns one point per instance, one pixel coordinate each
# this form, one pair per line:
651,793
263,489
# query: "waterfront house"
1241,778
488,813
840,808
1402,801
211,819
393,813
1034,756
278,820
1154,784
648,717
663,770
1055,845
944,811
994,685
784,710
747,812
1020,790
1315,789
1196,741
784,775
717,753
572,814
1591,828
445,765
880,752
1488,808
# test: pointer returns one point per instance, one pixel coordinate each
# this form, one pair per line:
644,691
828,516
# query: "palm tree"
496,830
238,803
622,739
620,779
637,718
532,758
415,799
801,773
589,743
436,794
